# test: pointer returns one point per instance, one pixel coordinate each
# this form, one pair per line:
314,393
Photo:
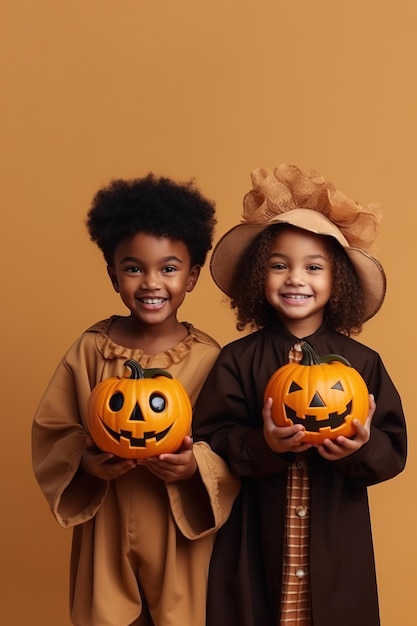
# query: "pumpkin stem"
155,371
137,371
311,358
330,358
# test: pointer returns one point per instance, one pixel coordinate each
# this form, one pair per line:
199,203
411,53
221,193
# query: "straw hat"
306,201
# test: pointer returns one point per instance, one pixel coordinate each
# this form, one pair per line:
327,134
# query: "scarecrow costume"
140,547
297,547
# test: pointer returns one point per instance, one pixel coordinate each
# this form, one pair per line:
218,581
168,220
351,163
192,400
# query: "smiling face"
298,280
152,275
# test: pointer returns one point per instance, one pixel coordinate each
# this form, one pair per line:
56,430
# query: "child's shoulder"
351,344
257,340
361,356
86,342
202,337
100,327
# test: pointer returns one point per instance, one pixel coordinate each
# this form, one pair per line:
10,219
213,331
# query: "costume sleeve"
228,416
201,505
384,456
58,443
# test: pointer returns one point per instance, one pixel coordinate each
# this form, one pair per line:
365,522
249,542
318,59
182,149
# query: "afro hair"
156,205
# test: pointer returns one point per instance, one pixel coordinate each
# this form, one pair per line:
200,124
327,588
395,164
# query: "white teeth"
296,297
152,300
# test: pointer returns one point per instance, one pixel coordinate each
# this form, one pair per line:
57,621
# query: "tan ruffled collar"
110,350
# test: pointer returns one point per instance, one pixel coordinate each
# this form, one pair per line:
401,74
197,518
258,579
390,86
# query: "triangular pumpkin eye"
294,387
316,401
338,386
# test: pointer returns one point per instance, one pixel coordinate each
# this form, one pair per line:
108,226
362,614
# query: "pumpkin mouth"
137,442
312,424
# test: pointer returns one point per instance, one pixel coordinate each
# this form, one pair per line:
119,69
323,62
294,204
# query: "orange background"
96,89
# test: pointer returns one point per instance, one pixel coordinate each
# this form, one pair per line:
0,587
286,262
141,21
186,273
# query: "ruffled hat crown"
287,188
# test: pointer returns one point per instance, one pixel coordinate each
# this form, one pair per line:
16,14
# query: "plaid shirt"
296,599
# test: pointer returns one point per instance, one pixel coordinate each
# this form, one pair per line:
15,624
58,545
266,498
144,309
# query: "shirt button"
301,511
299,572
301,465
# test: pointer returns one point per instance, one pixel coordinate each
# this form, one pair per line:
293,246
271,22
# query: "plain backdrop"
97,89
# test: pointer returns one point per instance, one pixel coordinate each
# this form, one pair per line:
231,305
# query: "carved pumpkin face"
141,416
324,394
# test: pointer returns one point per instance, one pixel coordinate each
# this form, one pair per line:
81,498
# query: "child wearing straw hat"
297,548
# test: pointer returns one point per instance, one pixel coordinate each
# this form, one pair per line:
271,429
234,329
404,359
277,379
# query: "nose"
150,281
295,277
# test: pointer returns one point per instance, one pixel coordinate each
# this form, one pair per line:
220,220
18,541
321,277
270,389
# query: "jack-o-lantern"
324,394
144,415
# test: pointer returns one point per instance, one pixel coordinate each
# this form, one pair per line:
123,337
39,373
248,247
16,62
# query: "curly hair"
344,310
155,205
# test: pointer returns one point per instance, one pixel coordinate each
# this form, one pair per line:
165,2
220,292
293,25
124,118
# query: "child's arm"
384,455
200,487
228,415
104,465
59,439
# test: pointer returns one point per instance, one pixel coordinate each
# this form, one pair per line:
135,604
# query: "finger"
302,447
372,405
165,460
362,430
267,413
283,432
187,444
89,444
371,413
334,447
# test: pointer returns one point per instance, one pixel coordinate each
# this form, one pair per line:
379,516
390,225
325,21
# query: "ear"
113,278
193,277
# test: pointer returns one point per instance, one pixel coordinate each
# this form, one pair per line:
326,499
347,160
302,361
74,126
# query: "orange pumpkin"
144,415
324,394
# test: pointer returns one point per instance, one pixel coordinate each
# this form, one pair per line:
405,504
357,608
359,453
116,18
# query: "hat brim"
232,245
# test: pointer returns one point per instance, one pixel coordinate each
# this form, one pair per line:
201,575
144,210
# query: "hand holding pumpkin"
104,465
172,467
282,439
341,447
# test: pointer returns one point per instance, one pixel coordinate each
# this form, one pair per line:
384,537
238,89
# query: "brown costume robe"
136,540
246,567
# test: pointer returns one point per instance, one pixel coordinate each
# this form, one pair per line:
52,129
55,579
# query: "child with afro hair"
143,531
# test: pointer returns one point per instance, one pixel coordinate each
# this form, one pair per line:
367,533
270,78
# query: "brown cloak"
245,575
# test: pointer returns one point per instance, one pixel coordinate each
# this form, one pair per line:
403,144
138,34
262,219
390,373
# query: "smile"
312,424
290,296
152,300
137,442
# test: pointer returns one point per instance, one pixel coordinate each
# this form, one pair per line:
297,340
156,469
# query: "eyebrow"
308,256
166,259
